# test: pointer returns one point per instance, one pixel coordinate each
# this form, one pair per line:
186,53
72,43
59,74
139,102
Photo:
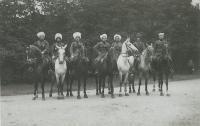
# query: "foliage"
21,20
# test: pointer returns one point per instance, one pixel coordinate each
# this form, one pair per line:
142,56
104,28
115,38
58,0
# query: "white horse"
60,70
124,63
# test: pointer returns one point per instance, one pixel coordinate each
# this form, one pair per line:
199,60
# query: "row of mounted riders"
121,58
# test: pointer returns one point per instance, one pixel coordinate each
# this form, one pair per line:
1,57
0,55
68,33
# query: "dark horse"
78,70
161,68
106,68
40,65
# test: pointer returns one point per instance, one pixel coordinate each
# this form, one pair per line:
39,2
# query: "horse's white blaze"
60,65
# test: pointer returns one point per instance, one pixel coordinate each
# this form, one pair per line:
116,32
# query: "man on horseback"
117,44
102,48
161,50
39,51
116,48
41,47
77,49
78,64
58,43
42,44
140,45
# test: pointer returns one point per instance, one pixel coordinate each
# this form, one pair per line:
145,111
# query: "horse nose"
61,62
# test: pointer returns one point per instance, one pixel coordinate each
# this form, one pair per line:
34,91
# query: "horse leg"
161,85
133,85
160,81
146,84
85,94
57,82
61,86
154,82
125,84
42,86
52,84
120,85
35,91
111,86
167,85
97,85
71,82
79,86
140,81
103,86
100,82
130,81
67,87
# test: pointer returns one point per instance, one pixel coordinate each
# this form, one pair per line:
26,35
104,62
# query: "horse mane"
35,51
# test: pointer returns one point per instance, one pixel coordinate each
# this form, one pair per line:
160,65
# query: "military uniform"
141,47
44,48
102,49
77,49
118,47
42,45
160,49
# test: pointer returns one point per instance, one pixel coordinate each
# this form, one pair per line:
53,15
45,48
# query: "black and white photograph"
100,62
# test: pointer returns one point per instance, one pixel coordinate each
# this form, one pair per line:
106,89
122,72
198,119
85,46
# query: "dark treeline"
21,20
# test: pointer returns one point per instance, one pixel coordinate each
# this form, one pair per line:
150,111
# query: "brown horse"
142,70
162,68
78,70
40,65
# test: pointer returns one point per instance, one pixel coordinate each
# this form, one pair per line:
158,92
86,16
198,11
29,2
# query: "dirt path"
182,108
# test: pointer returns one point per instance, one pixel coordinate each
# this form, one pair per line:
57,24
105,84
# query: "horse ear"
58,47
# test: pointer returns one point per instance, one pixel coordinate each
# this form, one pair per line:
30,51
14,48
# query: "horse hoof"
112,96
126,94
120,95
67,95
130,91
161,94
62,96
102,96
109,92
78,97
97,93
85,96
71,95
50,95
43,98
147,93
34,98
167,94
134,91
154,90
138,94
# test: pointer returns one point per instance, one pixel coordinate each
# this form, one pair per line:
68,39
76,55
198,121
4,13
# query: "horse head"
32,53
61,53
127,46
150,49
147,54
